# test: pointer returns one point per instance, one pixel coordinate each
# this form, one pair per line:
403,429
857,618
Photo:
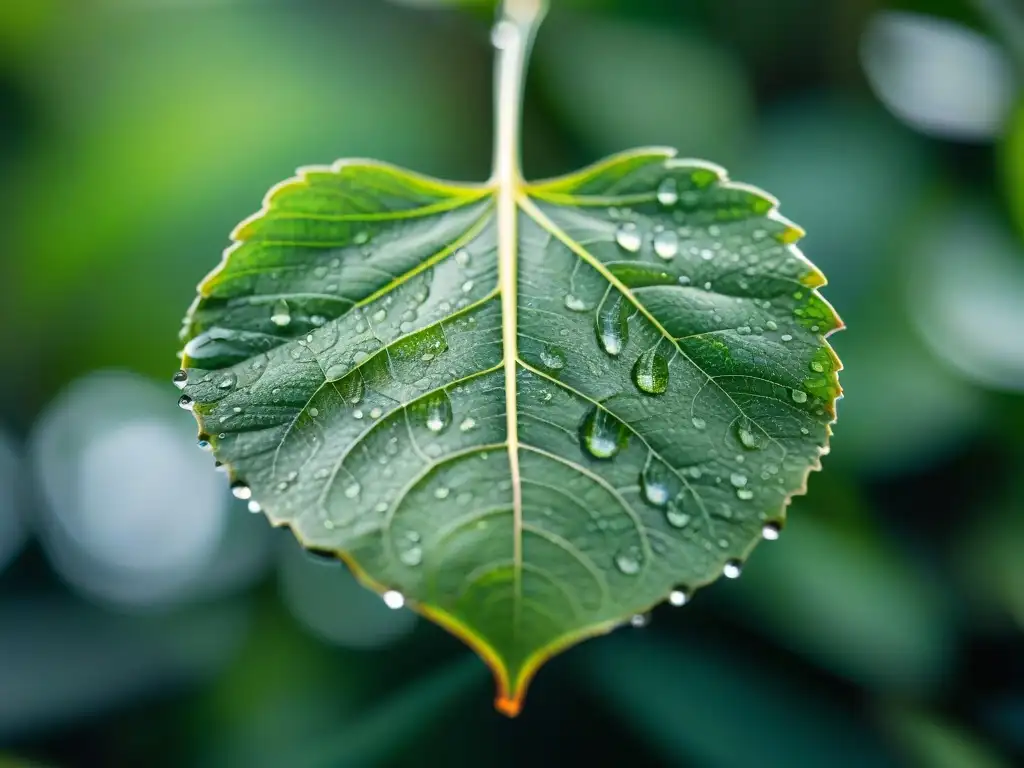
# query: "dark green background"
884,628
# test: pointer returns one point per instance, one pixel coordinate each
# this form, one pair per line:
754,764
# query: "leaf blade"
559,427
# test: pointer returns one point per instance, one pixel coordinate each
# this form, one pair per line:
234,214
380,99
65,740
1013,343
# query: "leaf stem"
512,37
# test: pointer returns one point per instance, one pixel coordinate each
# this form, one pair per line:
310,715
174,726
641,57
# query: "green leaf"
530,411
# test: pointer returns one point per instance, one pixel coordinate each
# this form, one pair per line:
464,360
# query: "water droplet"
698,423
467,286
280,315
738,479
412,556
254,507
186,403
666,244
654,485
241,490
180,379
628,237
439,413
462,257
603,435
612,326
799,396
575,303
804,431
678,597
640,620
314,412
204,442
375,413
357,414
467,424
786,337
745,494
707,254
441,493
817,367
393,599
552,358
352,491
650,373
361,238
771,531
676,517
380,315
668,193
732,569
748,438
628,563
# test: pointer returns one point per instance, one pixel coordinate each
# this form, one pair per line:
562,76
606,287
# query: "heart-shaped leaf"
529,411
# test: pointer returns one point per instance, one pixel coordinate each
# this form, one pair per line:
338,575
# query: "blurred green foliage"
884,628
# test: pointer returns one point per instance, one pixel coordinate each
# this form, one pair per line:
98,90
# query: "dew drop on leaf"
280,314
639,620
241,490
653,485
628,237
666,244
612,326
186,403
748,438
770,531
411,556
575,303
678,597
439,413
393,599
738,479
799,396
352,491
699,423
254,507
676,516
180,379
650,373
628,563
732,569
603,435
552,358
668,193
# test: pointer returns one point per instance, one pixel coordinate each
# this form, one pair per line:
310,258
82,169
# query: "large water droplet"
180,379
738,480
668,193
677,517
732,569
603,435
352,491
679,597
575,303
654,484
280,315
467,424
439,413
552,358
650,373
241,490
666,244
799,396
411,556
612,325
628,237
746,434
628,562
393,599
698,423
254,507
771,531
462,257
186,403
